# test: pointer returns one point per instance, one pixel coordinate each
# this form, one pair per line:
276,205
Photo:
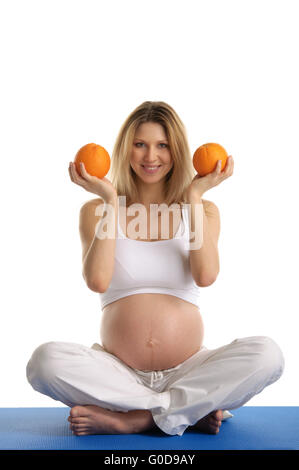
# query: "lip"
151,172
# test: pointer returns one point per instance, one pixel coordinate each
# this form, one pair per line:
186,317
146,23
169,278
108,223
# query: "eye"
141,143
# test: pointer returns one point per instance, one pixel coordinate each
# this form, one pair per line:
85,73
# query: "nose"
151,155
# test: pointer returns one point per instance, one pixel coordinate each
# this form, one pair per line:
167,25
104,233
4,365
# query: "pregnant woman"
151,368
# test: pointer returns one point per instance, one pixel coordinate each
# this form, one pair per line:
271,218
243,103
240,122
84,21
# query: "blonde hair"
181,174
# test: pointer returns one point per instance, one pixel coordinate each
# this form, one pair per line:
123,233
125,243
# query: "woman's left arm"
204,261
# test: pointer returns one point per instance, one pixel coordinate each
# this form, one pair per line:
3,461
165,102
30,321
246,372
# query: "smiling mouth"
151,170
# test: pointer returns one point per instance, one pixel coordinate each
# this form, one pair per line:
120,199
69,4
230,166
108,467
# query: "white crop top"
160,266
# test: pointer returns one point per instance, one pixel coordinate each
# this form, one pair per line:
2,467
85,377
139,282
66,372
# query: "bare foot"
210,424
91,419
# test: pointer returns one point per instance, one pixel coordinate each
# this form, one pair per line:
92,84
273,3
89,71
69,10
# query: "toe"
213,420
214,429
79,420
74,412
78,428
218,415
77,411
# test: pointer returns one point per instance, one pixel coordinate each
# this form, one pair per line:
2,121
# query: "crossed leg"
106,396
93,419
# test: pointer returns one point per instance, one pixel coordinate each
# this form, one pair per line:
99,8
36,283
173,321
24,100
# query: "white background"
72,71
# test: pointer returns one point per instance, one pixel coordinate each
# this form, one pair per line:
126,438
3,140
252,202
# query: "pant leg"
223,378
78,375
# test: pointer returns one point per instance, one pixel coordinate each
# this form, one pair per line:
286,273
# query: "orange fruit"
206,156
96,160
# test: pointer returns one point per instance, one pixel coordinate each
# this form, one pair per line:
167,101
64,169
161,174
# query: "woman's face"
150,158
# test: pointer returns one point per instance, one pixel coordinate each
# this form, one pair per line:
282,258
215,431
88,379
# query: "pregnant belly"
151,331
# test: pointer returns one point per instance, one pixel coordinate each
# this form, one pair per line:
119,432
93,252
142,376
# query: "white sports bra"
160,266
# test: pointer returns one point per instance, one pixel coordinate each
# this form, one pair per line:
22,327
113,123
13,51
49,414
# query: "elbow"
96,285
206,281
98,288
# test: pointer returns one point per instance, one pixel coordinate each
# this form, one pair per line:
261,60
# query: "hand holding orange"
205,158
209,172
96,160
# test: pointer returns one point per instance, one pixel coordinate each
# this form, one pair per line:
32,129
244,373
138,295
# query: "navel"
151,342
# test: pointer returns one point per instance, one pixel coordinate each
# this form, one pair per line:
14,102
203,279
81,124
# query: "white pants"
222,378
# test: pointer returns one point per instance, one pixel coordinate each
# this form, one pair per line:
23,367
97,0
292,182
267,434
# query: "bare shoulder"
95,201
91,204
210,207
88,219
209,204
213,215
89,214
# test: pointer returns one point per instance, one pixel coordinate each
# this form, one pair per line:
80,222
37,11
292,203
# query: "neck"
148,196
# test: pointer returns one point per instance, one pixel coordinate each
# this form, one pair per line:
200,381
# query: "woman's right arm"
97,253
97,250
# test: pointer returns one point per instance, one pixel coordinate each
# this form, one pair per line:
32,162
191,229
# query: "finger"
74,170
218,167
228,166
76,177
83,171
70,173
232,166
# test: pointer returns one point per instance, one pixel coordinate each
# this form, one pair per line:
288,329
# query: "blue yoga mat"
252,428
